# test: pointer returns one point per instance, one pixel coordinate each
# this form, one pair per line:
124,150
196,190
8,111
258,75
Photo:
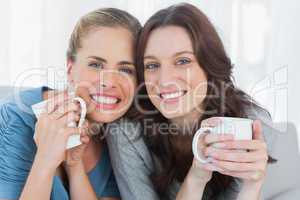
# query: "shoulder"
126,133
125,127
125,139
131,160
256,112
17,147
16,108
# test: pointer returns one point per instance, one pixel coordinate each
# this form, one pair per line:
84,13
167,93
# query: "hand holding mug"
202,167
235,155
53,131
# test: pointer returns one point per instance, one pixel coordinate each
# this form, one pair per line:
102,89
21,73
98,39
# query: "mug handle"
74,140
199,132
83,110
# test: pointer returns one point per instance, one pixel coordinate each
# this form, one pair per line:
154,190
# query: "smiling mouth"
168,96
105,102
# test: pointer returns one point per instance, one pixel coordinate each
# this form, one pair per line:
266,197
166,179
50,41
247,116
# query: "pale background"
261,37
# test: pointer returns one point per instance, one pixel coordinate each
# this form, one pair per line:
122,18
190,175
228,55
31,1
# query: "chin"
104,117
171,114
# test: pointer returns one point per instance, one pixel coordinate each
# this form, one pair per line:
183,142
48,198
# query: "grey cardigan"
133,163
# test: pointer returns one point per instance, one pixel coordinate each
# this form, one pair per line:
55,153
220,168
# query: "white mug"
241,128
73,140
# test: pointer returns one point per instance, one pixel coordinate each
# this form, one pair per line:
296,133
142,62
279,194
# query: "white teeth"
104,100
172,95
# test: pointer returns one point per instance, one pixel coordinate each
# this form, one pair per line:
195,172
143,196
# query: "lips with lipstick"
104,101
172,97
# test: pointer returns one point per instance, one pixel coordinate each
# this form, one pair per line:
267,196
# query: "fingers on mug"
82,113
74,140
199,133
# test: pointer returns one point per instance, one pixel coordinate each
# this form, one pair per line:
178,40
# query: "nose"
108,80
166,76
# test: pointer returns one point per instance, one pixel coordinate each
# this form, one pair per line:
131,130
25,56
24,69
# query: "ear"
70,70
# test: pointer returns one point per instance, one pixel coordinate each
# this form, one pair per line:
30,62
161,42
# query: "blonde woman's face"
104,73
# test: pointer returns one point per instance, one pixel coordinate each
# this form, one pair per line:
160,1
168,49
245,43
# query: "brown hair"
174,151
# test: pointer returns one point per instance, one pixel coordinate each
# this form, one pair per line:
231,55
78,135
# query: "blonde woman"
100,63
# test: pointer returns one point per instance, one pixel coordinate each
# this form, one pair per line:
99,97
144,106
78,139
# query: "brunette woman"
188,84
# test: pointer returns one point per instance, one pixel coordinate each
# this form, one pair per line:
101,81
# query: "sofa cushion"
283,179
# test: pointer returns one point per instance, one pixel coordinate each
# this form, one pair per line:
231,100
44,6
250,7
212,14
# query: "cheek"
151,82
82,73
199,85
198,80
128,86
151,93
150,87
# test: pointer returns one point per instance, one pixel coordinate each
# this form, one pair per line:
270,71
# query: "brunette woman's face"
175,82
104,73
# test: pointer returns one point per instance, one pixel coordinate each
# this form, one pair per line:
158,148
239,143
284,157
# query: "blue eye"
183,61
126,70
96,65
151,66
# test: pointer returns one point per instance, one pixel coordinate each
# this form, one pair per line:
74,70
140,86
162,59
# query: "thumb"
257,131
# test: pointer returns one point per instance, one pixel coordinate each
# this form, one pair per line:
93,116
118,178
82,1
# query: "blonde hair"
104,17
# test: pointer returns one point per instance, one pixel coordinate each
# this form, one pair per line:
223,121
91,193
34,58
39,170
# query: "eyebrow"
105,61
176,54
98,58
183,52
125,63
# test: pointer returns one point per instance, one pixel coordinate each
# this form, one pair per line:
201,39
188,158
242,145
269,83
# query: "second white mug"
241,128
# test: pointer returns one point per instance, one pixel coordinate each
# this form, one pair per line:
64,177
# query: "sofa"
283,178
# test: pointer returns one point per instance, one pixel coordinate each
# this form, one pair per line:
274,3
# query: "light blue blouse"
17,151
